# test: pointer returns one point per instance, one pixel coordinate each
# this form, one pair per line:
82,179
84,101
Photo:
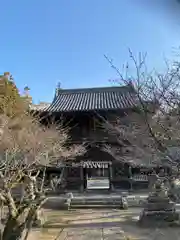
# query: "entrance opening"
97,178
97,168
97,172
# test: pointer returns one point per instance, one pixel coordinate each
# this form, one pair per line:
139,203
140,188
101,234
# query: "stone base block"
159,206
158,218
156,199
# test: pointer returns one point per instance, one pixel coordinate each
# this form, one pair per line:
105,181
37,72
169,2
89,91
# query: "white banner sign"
90,164
98,183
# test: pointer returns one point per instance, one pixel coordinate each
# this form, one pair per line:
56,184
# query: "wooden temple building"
85,110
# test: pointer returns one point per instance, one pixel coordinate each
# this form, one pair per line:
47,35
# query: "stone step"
89,206
132,201
95,200
95,203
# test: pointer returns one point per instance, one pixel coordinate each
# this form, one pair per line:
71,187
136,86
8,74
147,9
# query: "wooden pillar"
111,177
82,179
130,177
94,124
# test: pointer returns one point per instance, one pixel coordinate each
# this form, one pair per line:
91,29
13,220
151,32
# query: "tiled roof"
107,98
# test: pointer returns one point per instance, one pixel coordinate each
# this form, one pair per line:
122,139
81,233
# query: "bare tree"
26,148
153,132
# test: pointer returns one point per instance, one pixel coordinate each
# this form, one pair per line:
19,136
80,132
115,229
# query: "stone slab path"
99,224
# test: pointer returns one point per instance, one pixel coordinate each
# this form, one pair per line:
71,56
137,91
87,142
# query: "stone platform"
95,200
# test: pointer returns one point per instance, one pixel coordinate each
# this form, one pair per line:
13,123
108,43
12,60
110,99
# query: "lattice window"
118,171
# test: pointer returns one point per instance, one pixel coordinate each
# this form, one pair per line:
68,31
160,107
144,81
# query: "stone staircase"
96,202
105,201
77,201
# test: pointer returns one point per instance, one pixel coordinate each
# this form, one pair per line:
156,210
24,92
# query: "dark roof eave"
91,110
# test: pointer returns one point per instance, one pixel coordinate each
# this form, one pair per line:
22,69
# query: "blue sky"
43,42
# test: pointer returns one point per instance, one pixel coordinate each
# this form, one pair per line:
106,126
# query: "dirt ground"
99,224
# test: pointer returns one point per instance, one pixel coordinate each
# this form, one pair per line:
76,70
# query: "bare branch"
155,125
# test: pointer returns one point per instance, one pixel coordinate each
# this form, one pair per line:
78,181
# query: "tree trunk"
17,224
39,219
13,229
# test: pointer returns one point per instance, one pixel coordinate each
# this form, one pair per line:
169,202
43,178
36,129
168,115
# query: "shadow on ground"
101,224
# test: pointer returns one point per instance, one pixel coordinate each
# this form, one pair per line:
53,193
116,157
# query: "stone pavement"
99,224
